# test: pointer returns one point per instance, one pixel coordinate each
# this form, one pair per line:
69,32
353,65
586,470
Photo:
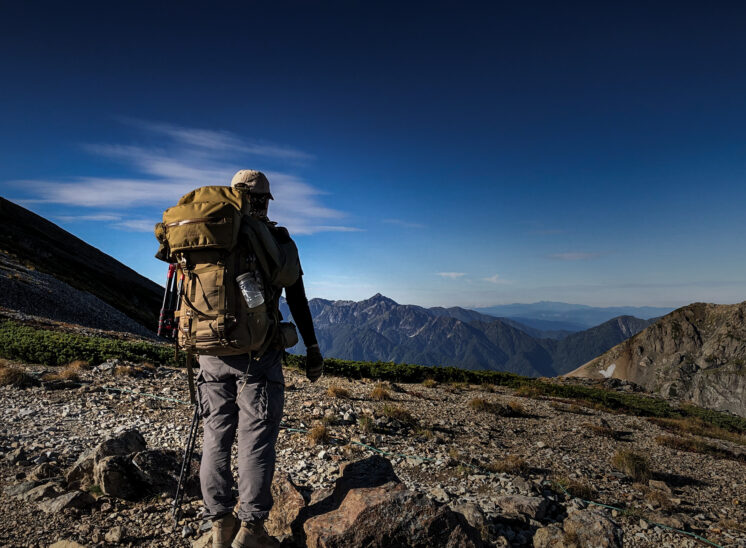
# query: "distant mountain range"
547,315
696,353
381,329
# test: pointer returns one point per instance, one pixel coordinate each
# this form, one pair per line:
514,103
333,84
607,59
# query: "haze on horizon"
576,152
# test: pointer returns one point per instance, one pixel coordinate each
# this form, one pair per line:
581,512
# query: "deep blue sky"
441,154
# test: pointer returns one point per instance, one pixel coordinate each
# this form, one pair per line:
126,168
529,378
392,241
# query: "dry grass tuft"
379,393
528,391
510,464
517,409
480,404
66,374
366,424
319,434
15,376
429,383
78,365
424,433
512,409
125,371
658,499
576,488
604,431
399,413
632,464
336,391
147,366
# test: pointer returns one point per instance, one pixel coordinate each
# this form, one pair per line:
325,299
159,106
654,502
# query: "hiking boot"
223,531
253,535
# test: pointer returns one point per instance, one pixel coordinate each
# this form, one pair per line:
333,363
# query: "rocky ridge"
695,353
437,448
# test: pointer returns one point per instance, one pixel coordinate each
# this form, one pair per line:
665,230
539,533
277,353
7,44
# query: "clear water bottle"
251,288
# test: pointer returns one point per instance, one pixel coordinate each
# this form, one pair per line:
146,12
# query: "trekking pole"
163,318
186,465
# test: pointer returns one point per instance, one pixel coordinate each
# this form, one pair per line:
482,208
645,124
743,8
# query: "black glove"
314,363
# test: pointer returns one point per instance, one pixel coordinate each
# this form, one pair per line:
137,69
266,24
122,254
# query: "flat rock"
73,499
533,507
581,528
40,492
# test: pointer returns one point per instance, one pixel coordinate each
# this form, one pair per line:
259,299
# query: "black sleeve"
298,304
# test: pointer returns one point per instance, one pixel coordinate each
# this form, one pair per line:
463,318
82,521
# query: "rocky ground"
437,440
39,294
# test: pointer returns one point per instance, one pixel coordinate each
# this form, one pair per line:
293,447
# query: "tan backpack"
213,242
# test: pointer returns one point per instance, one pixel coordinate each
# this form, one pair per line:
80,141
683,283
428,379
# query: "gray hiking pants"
255,413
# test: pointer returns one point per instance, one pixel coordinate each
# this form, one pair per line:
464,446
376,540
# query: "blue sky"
441,154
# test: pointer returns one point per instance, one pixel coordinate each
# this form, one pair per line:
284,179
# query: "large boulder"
118,477
390,516
81,473
370,507
288,504
581,528
158,472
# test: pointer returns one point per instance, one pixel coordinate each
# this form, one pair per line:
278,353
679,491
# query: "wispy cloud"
137,225
451,275
186,158
496,279
573,256
222,141
85,218
402,223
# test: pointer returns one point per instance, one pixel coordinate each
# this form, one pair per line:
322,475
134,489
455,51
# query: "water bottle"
250,284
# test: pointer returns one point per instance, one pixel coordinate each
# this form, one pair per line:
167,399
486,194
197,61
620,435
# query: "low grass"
698,427
692,445
510,464
380,393
16,377
336,391
632,464
429,383
319,434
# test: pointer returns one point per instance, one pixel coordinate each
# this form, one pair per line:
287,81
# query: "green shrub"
46,347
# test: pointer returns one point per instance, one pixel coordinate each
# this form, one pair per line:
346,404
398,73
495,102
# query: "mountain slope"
696,353
34,242
581,347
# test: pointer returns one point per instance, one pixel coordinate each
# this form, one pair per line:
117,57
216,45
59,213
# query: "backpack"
213,242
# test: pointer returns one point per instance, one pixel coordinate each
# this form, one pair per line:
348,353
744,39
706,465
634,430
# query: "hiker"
238,393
